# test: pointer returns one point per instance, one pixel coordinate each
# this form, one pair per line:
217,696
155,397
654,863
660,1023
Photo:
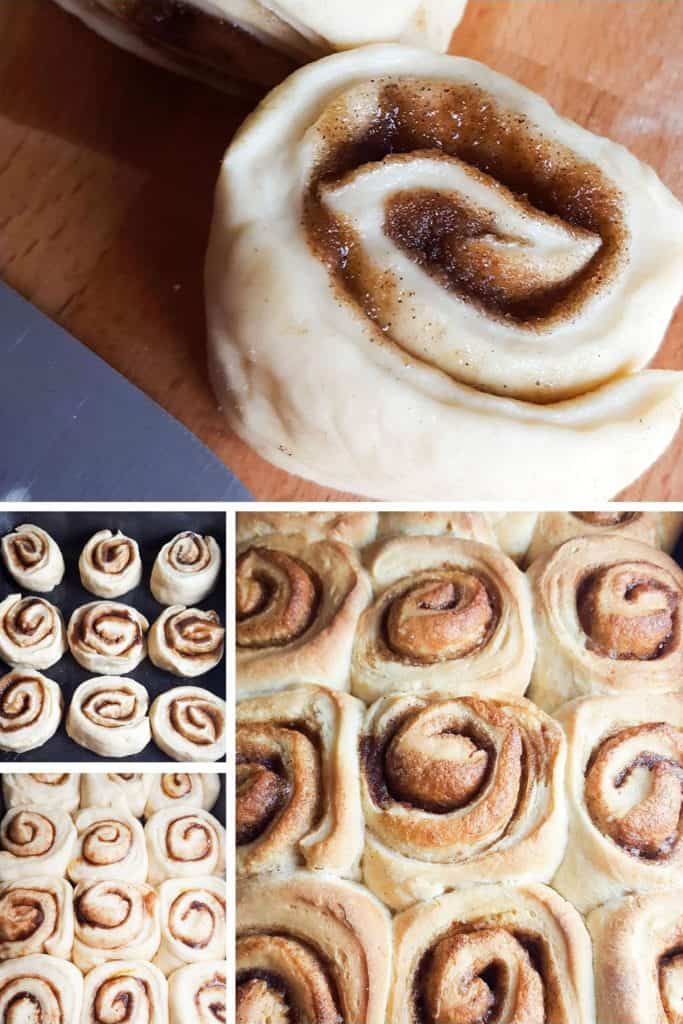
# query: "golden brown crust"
354,528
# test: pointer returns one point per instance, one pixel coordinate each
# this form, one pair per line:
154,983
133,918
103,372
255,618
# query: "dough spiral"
108,715
186,569
188,724
493,952
199,989
35,841
31,632
111,845
40,988
448,614
169,789
132,987
107,637
186,641
182,842
59,790
193,926
33,559
127,790
30,710
115,920
441,257
660,529
459,791
311,947
608,620
36,916
110,564
354,528
298,797
297,608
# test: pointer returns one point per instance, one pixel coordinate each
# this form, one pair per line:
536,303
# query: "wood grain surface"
107,168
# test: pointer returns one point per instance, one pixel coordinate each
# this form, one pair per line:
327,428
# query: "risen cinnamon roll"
624,772
170,789
107,637
459,791
59,790
188,724
115,920
608,620
33,559
36,916
132,987
40,988
182,842
126,790
186,641
192,921
297,607
451,289
298,799
31,632
35,841
111,844
513,532
30,710
186,569
354,528
311,948
448,614
198,992
660,529
493,952
108,715
110,564
466,525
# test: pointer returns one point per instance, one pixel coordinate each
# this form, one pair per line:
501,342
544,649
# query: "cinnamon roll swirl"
188,724
182,842
298,797
192,921
457,792
40,988
115,920
493,952
311,948
31,632
107,637
35,841
608,620
36,916
466,525
186,569
448,614
33,559
186,641
171,789
660,529
110,845
297,608
128,791
30,710
60,791
108,715
354,528
125,990
110,564
199,990
624,776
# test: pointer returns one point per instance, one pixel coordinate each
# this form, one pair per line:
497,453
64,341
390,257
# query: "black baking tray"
71,530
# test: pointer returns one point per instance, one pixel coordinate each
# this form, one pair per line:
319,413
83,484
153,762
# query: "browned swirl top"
629,610
277,597
194,634
280,979
113,555
22,700
607,518
29,622
28,833
27,549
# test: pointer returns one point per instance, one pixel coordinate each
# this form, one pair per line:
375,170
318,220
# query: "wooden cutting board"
107,168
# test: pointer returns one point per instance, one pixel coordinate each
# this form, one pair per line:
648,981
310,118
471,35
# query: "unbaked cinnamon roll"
457,792
127,790
624,772
115,920
111,844
170,789
311,948
637,946
493,952
107,637
188,724
132,987
297,607
30,710
354,528
40,988
186,569
448,614
450,290
108,715
33,559
608,620
110,564
182,842
59,790
466,525
199,990
32,632
298,798
36,916
186,641
35,841
192,921
554,528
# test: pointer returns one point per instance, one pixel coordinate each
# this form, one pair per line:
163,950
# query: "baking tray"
71,530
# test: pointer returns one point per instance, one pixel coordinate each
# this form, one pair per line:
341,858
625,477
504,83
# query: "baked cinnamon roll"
59,790
466,525
513,532
35,841
32,632
311,948
108,715
115,920
449,615
660,529
186,569
192,921
110,564
443,262
36,916
184,842
107,637
30,710
200,990
188,724
354,528
170,789
493,952
33,559
40,988
457,792
297,607
624,771
186,641
110,845
133,987
608,620
126,790
298,798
